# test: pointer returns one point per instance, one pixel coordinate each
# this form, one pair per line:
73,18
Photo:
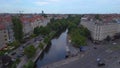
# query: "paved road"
17,52
34,42
104,51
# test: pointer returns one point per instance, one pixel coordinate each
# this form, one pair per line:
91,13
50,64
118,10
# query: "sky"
60,6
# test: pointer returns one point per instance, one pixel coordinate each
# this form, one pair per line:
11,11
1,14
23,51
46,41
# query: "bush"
30,51
30,64
41,45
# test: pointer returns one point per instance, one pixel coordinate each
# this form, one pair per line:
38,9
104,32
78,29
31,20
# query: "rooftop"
103,18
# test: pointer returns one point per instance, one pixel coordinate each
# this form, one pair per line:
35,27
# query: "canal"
54,52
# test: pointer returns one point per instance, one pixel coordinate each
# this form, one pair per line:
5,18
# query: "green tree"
42,30
30,64
36,31
18,28
2,53
14,64
108,38
14,43
46,40
30,51
97,17
41,45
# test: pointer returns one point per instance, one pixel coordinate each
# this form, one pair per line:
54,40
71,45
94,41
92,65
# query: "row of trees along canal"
78,34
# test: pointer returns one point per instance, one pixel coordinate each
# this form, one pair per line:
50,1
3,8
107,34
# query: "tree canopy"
30,51
30,64
18,28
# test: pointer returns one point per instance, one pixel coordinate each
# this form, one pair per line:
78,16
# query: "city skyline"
60,6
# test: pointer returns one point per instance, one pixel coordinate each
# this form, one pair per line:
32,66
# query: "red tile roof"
32,19
5,19
105,18
2,27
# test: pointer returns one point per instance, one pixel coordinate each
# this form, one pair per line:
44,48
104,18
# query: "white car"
114,43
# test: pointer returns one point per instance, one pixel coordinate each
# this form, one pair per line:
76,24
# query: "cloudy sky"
60,6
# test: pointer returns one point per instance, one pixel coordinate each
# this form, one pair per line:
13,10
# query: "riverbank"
65,61
24,59
38,53
55,52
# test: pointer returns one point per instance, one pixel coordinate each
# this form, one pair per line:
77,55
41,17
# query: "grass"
115,47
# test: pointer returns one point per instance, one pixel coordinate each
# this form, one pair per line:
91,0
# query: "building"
3,36
108,25
5,61
30,22
27,29
6,31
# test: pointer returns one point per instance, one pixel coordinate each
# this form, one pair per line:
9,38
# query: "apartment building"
100,29
30,22
3,36
6,31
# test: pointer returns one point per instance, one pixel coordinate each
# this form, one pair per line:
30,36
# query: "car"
114,43
13,59
98,59
18,56
22,54
13,53
82,49
101,63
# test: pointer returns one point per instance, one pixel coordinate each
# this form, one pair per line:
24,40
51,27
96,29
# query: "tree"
30,64
14,43
41,45
36,31
108,38
78,35
78,40
46,40
18,28
97,17
2,53
42,30
30,51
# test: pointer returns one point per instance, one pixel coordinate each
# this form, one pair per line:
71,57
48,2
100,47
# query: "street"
19,52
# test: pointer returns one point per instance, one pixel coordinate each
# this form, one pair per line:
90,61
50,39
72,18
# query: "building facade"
6,31
101,29
30,22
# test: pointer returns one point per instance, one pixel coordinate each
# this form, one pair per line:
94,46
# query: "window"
5,39
5,35
4,31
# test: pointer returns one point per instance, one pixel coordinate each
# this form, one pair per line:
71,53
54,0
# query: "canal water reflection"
54,52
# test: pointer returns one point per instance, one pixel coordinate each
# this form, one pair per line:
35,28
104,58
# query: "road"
19,52
20,49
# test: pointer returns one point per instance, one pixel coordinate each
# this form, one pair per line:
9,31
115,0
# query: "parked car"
101,63
82,48
13,53
114,43
18,56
